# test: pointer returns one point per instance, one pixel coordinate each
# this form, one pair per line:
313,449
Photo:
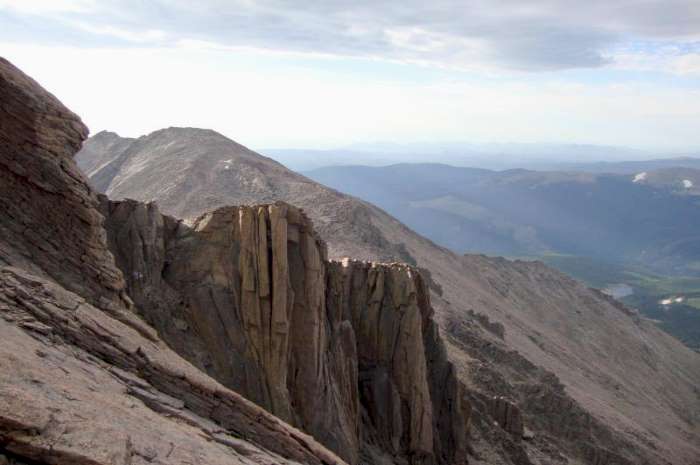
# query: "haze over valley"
493,156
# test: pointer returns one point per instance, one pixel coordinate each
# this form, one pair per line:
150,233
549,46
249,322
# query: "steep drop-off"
83,379
346,351
91,291
546,344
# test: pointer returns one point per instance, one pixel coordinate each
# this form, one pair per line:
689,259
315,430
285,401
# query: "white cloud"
687,64
147,36
532,35
135,91
668,59
48,6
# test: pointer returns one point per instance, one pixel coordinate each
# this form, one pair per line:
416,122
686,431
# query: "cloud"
679,60
688,64
47,6
534,35
149,36
137,90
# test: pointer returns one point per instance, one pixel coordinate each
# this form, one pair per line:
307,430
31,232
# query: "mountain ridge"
98,298
631,218
355,228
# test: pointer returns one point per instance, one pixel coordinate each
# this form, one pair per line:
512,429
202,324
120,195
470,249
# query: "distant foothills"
548,157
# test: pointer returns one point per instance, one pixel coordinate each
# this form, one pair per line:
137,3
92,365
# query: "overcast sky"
331,73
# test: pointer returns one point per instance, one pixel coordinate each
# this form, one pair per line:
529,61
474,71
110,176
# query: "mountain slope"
629,167
83,380
190,171
488,308
347,352
682,181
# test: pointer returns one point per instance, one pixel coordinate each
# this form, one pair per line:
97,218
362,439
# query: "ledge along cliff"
129,337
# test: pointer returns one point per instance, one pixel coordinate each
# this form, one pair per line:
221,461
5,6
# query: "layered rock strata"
49,221
80,387
83,379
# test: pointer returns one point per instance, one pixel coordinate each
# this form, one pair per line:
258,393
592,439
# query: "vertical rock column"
265,301
380,301
308,360
347,351
282,300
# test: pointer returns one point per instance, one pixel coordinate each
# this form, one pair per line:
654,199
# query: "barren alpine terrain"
349,233
593,380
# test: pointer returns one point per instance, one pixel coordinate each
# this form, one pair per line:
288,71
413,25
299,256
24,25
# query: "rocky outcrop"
526,418
87,389
346,350
83,379
507,415
49,221
636,381
402,361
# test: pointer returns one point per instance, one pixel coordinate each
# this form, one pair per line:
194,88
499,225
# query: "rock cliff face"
77,386
83,379
40,183
346,350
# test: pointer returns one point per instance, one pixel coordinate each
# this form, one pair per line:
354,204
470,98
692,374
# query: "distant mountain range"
548,157
630,167
649,218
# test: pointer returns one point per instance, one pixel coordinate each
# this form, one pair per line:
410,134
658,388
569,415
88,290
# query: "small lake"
619,290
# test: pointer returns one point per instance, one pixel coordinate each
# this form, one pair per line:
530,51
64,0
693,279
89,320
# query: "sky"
333,73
